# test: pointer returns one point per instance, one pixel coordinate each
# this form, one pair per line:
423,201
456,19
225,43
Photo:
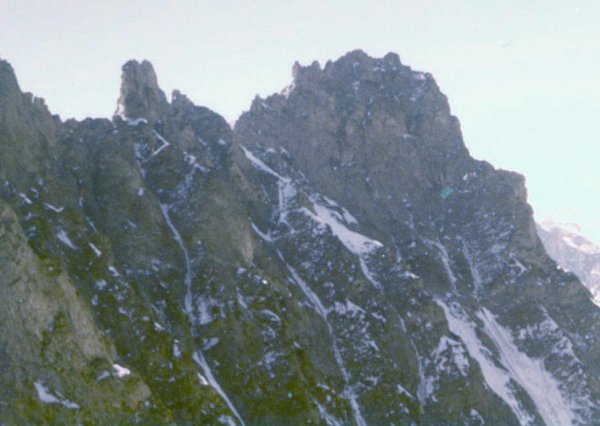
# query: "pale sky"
522,76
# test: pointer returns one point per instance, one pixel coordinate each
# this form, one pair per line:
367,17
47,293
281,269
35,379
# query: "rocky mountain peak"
306,73
26,126
140,95
180,101
352,67
8,81
12,97
364,129
355,64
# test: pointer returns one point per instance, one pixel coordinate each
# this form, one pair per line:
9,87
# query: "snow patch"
498,379
48,398
348,309
54,208
402,390
260,165
457,353
64,238
121,371
176,350
120,112
356,243
530,374
101,284
95,249
204,315
25,198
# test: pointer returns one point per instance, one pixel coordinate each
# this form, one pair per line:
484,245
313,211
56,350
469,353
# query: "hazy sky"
522,76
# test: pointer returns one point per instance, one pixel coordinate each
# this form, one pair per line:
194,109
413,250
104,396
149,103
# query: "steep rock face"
573,252
85,210
338,258
140,95
23,117
378,138
50,342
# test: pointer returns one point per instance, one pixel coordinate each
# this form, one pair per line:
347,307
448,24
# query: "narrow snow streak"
165,208
64,238
445,261
54,208
261,234
422,387
367,273
329,419
96,250
402,390
25,198
358,244
530,374
164,145
188,308
286,192
476,277
320,308
197,356
201,361
259,164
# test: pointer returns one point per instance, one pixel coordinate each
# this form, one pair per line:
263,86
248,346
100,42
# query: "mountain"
566,244
335,258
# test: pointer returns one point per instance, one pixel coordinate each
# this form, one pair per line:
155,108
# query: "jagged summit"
180,100
140,95
361,120
354,65
8,81
360,61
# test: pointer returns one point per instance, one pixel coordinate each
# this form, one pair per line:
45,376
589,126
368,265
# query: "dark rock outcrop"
140,97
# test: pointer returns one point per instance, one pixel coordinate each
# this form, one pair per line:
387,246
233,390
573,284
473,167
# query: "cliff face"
337,258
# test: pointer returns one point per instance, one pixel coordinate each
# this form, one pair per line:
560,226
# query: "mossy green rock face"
337,258
50,342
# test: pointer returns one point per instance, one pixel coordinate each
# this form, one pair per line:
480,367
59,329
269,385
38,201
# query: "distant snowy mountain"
566,244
